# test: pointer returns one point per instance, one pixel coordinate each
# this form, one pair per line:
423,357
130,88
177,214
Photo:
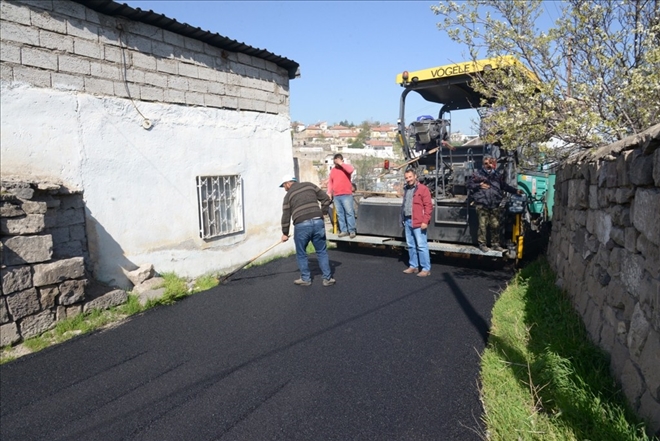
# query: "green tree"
362,137
598,68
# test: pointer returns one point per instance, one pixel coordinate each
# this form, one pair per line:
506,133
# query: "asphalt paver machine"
446,169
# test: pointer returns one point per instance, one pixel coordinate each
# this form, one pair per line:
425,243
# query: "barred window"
220,202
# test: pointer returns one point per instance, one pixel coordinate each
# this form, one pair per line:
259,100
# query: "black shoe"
483,248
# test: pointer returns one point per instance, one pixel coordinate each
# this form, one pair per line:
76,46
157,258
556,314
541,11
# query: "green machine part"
540,189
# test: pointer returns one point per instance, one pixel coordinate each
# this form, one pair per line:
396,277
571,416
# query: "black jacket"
489,197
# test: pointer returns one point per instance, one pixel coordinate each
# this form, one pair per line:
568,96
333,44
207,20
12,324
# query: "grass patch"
542,378
176,288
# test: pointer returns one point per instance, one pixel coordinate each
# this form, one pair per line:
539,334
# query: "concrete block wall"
64,45
605,249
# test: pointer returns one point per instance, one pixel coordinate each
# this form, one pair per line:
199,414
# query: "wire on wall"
146,123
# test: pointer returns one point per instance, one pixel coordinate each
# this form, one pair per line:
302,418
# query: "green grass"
542,379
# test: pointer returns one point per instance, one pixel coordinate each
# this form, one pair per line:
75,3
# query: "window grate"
220,202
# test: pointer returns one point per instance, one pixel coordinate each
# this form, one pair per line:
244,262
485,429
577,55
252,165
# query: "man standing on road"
487,187
301,204
416,214
340,189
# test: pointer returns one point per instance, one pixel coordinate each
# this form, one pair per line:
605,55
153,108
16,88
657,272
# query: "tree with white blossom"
597,68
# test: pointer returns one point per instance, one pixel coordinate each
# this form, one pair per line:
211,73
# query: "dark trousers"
489,220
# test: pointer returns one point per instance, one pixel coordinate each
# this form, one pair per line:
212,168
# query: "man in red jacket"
340,190
416,214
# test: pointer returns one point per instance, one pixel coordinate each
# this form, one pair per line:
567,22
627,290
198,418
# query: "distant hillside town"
368,143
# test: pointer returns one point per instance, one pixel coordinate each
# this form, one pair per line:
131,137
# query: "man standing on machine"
340,190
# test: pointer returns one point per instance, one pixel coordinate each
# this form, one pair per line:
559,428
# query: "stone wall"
605,249
67,46
44,250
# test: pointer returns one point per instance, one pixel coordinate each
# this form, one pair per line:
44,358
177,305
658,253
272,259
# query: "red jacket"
422,206
339,182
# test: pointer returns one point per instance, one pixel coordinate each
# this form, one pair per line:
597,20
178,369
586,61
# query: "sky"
349,51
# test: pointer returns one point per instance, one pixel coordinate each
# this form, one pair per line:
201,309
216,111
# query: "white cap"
287,178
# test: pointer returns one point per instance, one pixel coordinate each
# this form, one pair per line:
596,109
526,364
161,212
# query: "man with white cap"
301,204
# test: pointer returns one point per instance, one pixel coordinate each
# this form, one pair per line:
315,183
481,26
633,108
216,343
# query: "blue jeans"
345,213
304,232
418,247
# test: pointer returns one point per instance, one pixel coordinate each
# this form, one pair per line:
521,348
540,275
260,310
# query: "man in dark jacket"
487,187
416,211
301,204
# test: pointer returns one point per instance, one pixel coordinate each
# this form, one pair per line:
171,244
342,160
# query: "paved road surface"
379,356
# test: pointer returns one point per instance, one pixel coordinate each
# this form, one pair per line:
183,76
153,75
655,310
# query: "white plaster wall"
139,185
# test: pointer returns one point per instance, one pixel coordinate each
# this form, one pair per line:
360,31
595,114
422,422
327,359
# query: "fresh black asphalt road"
379,356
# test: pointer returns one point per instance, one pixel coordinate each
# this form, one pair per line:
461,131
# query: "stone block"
618,358
67,82
630,239
607,176
113,298
152,294
32,75
607,337
593,197
48,296
86,48
142,61
656,167
167,66
641,171
645,213
27,249
649,409
624,195
6,73
632,383
9,332
72,248
55,272
623,167
72,291
618,236
105,71
43,59
651,255
23,303
632,269
174,96
649,361
34,207
99,86
37,324
141,274
58,42
29,224
149,284
73,64
4,312
19,33
82,29
48,21
188,70
77,232
7,209
10,53
148,93
637,333
14,13
16,278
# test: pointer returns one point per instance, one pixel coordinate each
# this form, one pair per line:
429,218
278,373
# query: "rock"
27,249
16,279
151,294
55,272
23,303
153,283
113,298
141,274
36,324
72,291
9,334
